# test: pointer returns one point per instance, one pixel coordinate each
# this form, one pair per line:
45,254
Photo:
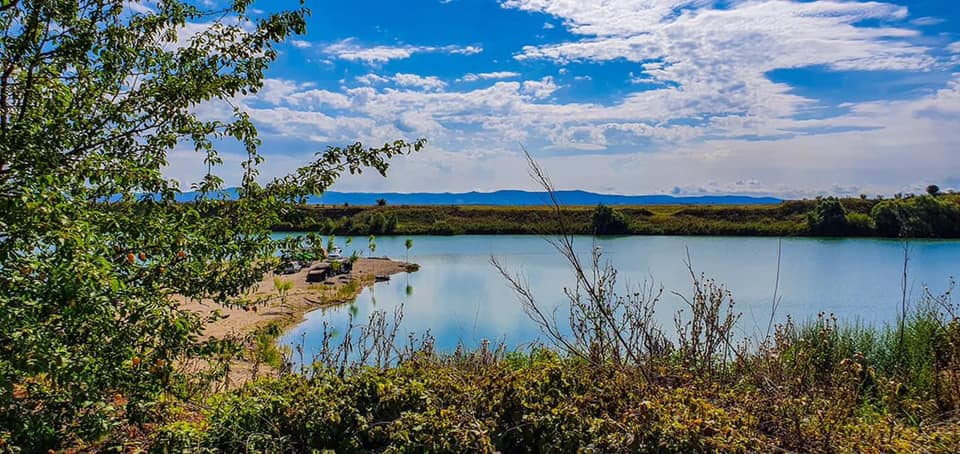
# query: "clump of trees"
923,216
609,221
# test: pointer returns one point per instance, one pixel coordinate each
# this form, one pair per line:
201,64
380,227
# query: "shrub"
828,218
887,218
442,227
608,221
859,224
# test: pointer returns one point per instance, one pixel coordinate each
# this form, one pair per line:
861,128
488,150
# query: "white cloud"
414,80
349,50
716,61
540,88
301,44
372,79
927,21
472,77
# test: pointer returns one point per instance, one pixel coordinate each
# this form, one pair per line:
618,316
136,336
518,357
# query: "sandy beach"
302,297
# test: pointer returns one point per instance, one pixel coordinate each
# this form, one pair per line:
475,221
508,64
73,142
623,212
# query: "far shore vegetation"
906,216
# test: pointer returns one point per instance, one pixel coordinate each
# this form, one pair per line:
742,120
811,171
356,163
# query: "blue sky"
788,98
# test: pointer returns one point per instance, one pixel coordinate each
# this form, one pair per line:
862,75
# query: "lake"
459,297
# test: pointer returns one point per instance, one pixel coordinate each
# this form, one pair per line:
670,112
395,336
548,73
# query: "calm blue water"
459,297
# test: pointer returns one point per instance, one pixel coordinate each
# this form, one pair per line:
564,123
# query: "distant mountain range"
518,198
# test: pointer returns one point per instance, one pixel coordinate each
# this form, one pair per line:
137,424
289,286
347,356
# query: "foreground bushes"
817,387
430,405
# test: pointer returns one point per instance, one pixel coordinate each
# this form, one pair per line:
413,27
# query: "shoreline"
303,297
277,314
862,218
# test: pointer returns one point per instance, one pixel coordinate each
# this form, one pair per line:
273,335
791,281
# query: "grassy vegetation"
790,218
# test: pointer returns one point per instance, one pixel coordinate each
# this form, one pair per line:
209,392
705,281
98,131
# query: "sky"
685,97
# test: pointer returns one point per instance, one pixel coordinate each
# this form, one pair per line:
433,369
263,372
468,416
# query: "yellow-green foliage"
544,403
265,347
788,218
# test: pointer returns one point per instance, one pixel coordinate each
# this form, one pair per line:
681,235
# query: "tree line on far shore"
932,215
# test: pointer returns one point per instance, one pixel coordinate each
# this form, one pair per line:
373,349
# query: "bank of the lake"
921,216
279,302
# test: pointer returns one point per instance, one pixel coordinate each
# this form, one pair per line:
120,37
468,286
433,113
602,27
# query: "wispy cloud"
472,77
927,21
350,50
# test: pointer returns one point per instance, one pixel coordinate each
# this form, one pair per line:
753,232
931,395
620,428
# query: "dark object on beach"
326,270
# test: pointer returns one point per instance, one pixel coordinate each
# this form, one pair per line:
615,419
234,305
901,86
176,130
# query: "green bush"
859,224
181,436
608,221
828,218
441,227
550,405
923,216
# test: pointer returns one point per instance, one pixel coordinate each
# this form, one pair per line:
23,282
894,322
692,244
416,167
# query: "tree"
933,190
381,202
828,217
608,221
93,95
409,245
888,218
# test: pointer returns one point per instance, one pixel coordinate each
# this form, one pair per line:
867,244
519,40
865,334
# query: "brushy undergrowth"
817,387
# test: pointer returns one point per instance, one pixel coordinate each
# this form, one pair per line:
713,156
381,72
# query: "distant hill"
519,198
